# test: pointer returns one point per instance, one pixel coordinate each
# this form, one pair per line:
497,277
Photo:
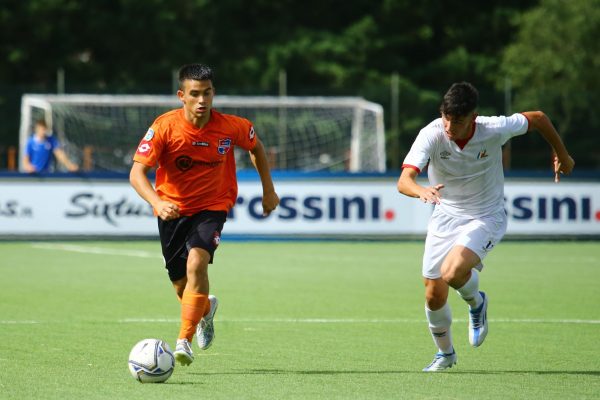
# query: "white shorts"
444,232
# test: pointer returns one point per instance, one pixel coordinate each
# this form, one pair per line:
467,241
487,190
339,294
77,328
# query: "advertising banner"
308,207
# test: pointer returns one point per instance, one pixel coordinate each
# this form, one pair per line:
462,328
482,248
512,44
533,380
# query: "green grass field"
297,320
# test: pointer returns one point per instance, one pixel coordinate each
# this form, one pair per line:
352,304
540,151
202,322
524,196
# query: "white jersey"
473,178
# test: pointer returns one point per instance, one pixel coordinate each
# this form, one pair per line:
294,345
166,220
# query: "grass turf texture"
318,320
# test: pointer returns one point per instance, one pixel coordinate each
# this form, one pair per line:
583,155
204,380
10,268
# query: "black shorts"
178,236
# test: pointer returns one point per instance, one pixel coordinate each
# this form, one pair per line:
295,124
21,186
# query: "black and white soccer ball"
151,361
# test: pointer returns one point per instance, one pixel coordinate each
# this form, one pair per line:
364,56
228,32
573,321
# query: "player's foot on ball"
478,323
205,332
441,361
183,352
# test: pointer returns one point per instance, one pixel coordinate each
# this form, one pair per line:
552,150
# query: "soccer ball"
151,360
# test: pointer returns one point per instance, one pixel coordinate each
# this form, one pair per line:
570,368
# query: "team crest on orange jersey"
224,146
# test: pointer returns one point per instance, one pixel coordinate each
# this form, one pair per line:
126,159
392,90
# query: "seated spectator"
42,147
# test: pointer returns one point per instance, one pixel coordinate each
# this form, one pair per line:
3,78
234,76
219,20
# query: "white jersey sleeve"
423,147
506,127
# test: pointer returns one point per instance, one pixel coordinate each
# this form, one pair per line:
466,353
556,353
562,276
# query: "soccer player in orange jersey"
195,188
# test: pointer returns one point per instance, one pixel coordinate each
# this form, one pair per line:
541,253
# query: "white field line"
327,321
146,254
363,321
13,322
95,250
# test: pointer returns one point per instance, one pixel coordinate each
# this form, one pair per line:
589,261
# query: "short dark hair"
460,100
197,72
41,122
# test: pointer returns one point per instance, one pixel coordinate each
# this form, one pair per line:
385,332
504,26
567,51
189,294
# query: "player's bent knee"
455,275
197,268
449,274
198,257
435,299
434,303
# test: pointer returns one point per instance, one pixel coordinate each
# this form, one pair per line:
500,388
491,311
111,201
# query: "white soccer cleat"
205,331
183,352
441,361
478,323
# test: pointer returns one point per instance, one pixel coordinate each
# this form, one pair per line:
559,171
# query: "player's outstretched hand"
431,194
563,165
270,202
167,210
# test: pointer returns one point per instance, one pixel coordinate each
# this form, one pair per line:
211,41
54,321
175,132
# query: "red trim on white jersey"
411,167
463,142
528,121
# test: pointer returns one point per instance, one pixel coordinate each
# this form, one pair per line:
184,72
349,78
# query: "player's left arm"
258,156
61,156
563,163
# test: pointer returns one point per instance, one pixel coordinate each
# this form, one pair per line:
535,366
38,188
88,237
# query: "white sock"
439,326
470,290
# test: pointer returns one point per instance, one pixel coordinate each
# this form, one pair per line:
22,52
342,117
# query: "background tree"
554,65
329,47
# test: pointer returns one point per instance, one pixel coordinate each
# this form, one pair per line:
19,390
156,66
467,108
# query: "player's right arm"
407,185
27,165
417,159
138,177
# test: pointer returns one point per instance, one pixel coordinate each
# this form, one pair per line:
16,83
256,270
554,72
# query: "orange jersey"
196,166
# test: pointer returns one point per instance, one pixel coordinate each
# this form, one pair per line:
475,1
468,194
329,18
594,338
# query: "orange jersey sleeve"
196,166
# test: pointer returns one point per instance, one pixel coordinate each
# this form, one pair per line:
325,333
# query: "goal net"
101,132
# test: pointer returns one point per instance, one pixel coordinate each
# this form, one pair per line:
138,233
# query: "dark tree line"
326,48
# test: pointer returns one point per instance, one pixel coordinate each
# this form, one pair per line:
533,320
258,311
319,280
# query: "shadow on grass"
454,371
397,372
479,372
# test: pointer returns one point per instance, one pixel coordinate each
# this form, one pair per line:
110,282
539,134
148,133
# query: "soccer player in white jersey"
463,155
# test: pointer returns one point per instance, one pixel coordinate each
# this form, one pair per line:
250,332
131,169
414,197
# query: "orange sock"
193,306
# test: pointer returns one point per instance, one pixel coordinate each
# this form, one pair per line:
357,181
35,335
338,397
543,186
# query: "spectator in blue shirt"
42,147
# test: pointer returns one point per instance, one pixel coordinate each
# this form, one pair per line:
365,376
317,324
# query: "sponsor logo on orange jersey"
144,148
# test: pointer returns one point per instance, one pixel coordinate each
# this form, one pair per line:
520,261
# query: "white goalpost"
299,133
